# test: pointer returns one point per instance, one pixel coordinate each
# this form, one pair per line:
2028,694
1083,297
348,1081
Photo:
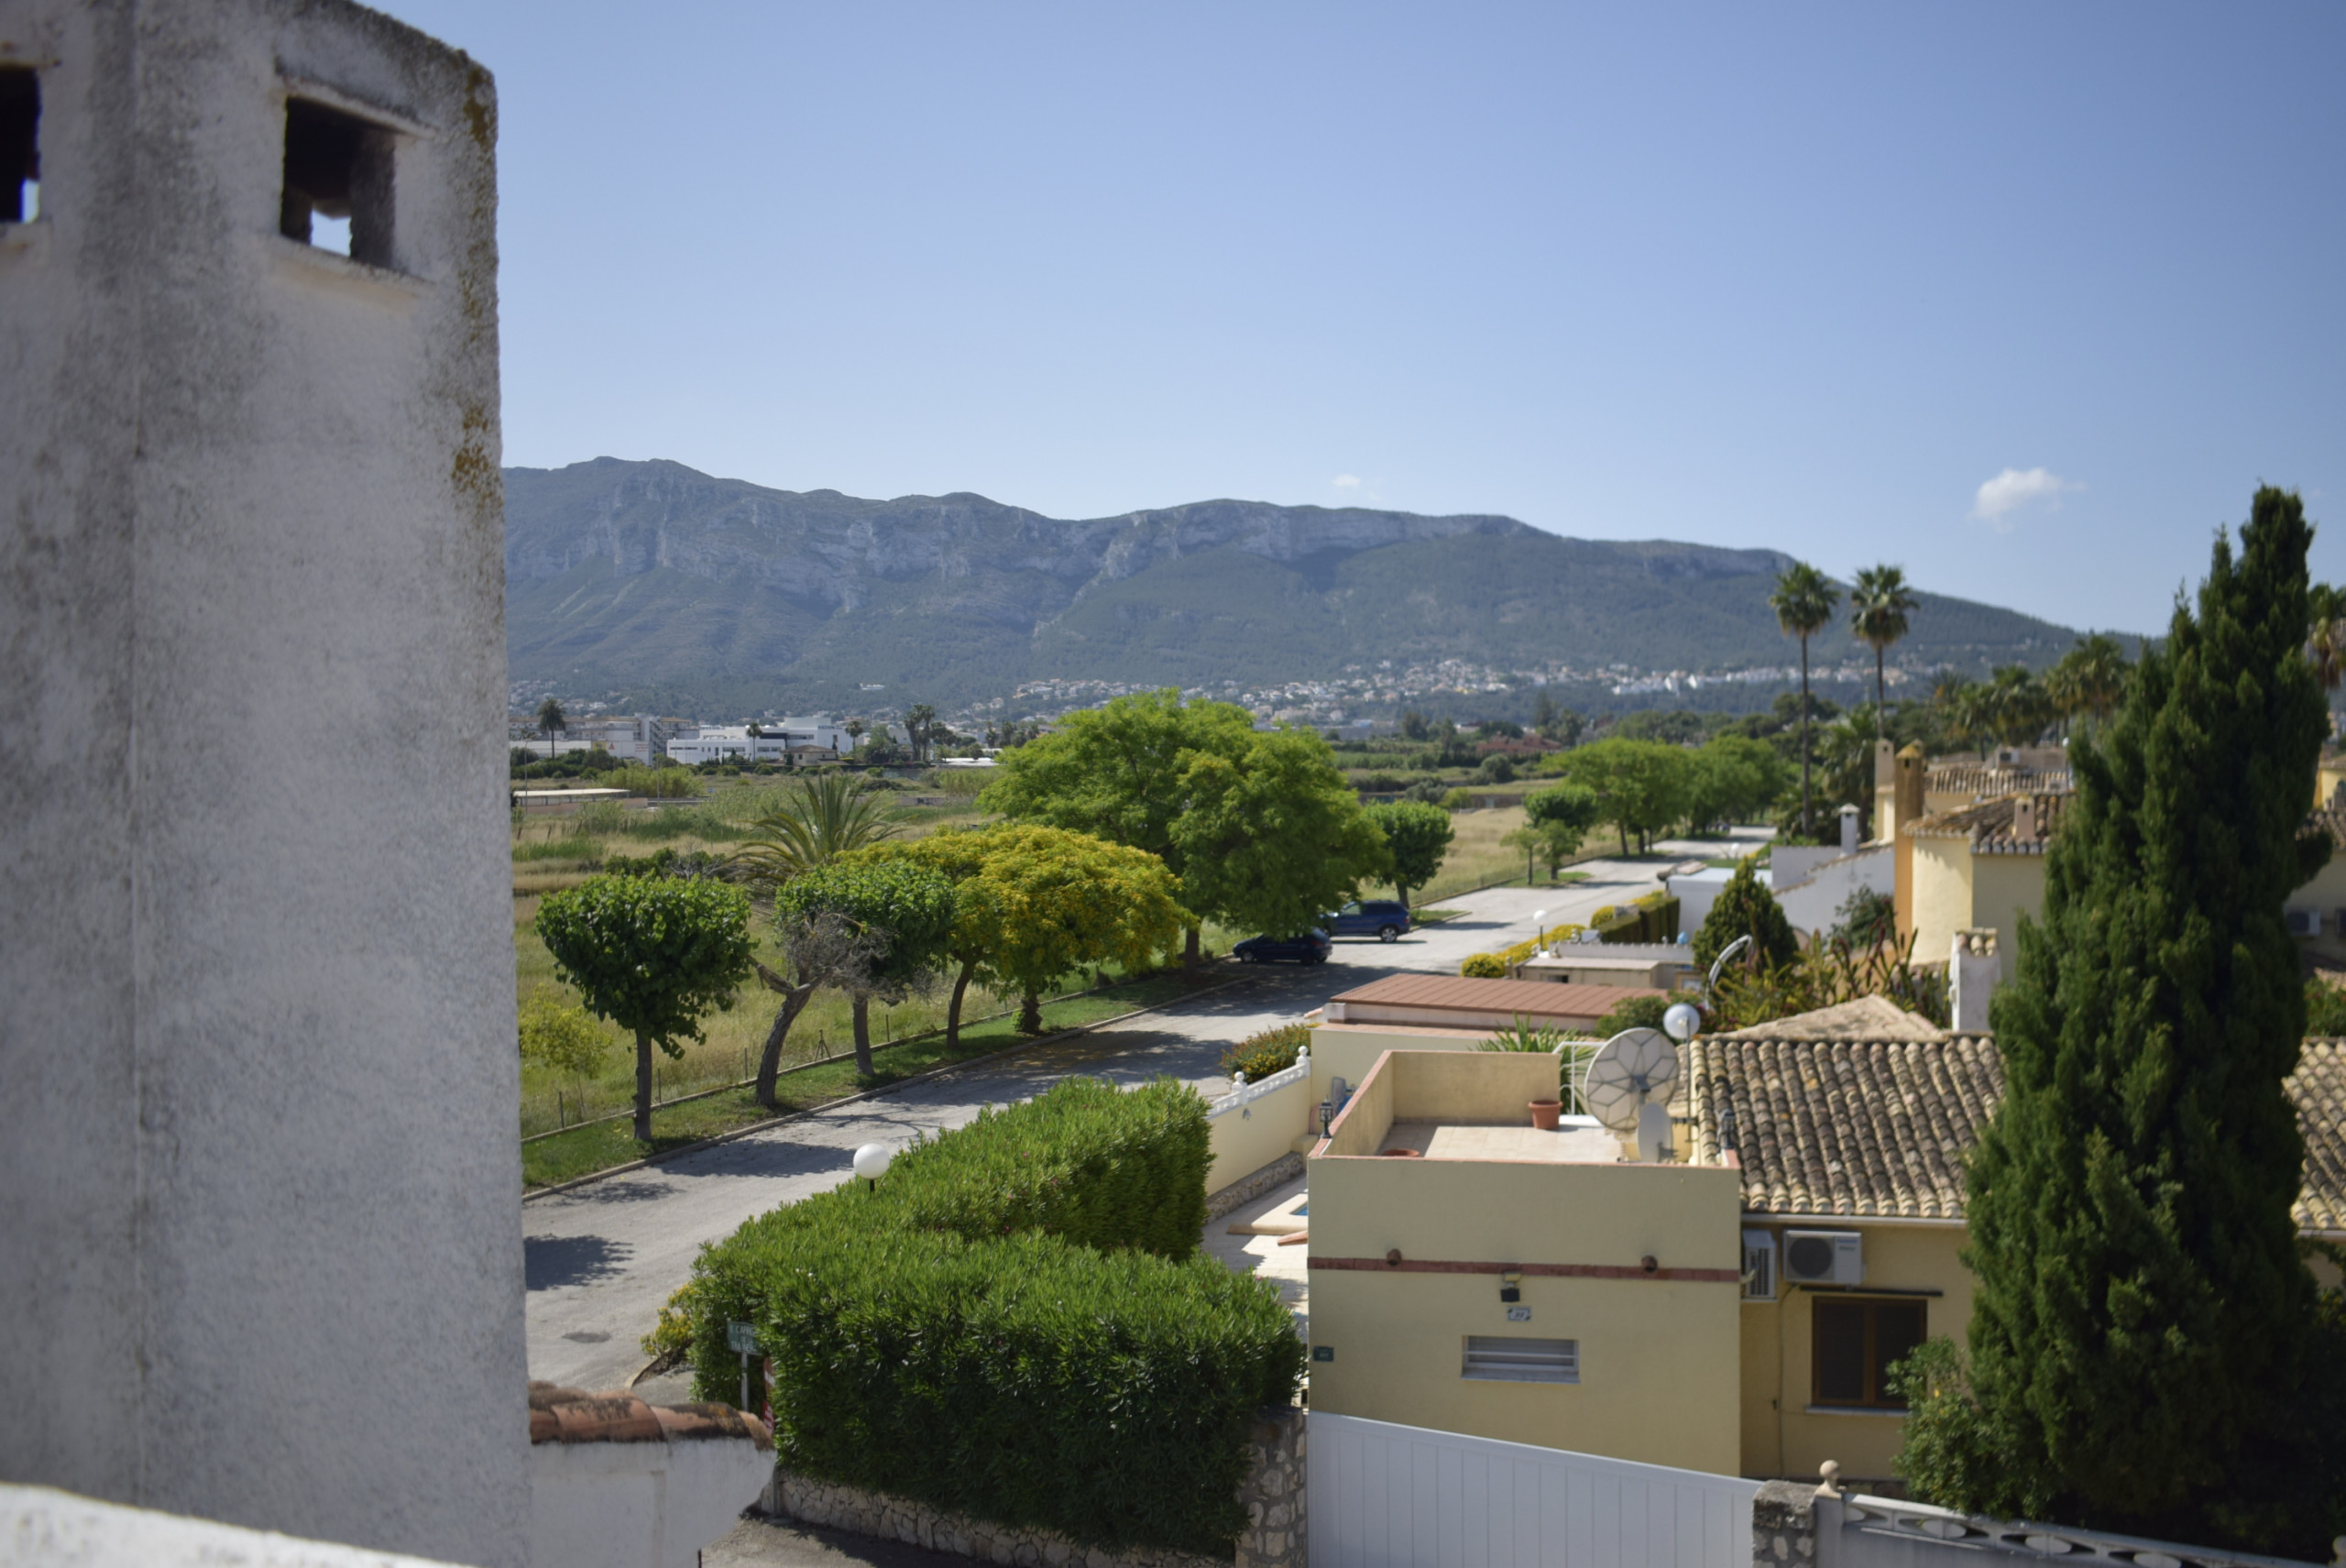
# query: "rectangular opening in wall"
1493,1358
19,145
1857,1344
337,191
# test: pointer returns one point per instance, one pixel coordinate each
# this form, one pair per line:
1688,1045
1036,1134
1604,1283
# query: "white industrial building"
795,740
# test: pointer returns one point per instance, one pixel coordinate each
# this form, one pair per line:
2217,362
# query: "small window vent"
337,189
19,145
1491,1358
1759,1266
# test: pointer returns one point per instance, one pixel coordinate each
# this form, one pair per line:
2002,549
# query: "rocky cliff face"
828,550
687,590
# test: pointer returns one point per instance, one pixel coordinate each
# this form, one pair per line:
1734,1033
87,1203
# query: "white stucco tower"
259,1250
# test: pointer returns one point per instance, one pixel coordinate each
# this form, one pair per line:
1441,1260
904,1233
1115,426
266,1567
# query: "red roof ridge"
558,1414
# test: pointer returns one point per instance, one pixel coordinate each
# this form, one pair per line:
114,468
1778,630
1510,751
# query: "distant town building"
793,739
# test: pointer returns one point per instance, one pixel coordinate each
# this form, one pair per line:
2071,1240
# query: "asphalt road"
602,1258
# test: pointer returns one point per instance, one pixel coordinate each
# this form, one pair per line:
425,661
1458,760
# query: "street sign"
741,1338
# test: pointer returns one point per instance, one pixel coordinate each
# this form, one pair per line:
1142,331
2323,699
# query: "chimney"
1849,829
1907,809
2024,819
1885,789
1973,969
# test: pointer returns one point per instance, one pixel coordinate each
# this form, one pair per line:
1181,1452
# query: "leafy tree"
904,911
1635,1012
559,1034
1803,602
1496,768
1414,726
1746,908
1032,905
2140,1332
818,949
1555,821
1880,603
1117,772
551,720
2325,1009
1417,836
819,819
1732,778
1641,787
1272,837
651,954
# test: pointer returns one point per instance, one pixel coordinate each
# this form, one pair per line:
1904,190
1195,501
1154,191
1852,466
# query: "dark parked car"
1311,948
1383,918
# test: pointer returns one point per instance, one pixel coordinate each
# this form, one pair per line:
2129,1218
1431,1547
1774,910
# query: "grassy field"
552,853
584,1150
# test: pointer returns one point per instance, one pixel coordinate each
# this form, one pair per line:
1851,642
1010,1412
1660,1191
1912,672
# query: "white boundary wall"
1255,1123
1385,1496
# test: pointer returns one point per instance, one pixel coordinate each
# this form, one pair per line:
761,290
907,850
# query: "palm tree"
1803,601
854,727
820,820
2091,677
920,727
1880,603
550,718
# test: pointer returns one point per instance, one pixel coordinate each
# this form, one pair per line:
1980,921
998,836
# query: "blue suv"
1383,918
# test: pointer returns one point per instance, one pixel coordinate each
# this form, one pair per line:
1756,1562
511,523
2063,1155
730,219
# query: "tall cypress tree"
2143,1310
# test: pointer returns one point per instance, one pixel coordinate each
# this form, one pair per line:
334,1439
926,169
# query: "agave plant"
820,820
1525,1034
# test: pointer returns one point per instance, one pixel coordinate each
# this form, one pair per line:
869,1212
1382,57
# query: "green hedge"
1016,1324
1273,1050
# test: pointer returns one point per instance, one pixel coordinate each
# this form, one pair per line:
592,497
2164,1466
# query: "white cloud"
1346,481
2015,489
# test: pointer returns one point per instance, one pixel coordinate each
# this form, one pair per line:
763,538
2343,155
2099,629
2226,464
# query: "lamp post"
871,1164
1539,918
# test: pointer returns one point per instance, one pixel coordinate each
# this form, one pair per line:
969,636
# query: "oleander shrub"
1273,1050
1015,1323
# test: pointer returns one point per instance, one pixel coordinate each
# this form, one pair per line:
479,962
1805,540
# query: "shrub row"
1273,1050
1495,966
1017,1323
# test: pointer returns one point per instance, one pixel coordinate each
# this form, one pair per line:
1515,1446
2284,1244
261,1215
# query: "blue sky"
2026,298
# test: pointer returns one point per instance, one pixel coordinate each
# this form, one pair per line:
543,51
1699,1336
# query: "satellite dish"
1628,1087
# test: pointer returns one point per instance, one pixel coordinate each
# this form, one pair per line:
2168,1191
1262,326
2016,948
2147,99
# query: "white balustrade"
1243,1093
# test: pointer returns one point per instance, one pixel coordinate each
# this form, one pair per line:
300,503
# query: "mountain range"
654,585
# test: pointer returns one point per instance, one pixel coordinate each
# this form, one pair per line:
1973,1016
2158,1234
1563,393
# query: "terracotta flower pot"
1544,1113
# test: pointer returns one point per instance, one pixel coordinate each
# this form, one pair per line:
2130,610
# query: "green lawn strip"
584,1150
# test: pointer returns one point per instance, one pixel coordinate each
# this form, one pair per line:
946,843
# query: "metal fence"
1385,1496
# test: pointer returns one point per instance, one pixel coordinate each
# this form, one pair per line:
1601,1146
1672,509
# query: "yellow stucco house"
1732,1309
1981,866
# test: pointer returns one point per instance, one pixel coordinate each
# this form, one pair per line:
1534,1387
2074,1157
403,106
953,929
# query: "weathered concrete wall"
1272,1495
258,1177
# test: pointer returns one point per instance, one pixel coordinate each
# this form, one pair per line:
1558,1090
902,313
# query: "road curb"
533,1194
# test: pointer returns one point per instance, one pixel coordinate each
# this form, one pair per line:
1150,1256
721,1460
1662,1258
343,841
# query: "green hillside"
665,588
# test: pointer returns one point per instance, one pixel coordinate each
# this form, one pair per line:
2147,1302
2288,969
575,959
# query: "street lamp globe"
871,1162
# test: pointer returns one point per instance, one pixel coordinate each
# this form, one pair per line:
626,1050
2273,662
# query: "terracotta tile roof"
2318,1086
1867,1018
1983,782
1991,825
1882,1129
572,1415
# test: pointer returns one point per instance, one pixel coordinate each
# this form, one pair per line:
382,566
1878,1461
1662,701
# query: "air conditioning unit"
1759,1266
2304,922
1824,1257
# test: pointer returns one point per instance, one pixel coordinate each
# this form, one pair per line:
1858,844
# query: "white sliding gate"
1382,1495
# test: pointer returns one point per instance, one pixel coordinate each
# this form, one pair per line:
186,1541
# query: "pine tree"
2143,1311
